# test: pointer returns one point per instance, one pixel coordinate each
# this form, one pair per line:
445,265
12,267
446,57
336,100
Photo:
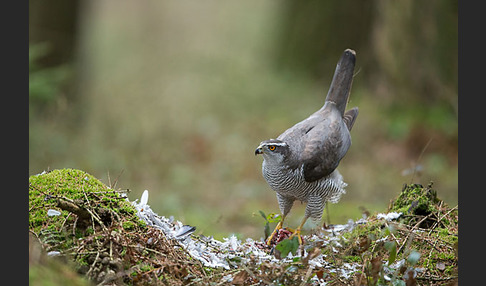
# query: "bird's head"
273,150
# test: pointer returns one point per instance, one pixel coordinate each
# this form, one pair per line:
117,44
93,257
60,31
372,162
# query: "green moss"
371,229
68,230
352,258
415,202
46,189
146,267
128,225
96,223
427,227
362,238
415,199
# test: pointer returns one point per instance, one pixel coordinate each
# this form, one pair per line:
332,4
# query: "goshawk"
301,163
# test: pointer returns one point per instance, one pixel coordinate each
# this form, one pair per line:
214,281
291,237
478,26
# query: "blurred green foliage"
174,97
45,84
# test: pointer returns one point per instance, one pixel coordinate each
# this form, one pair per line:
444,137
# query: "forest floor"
82,232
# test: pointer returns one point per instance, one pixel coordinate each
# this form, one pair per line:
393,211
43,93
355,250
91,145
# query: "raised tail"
342,80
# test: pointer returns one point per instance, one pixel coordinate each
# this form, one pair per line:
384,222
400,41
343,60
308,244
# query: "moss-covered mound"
77,218
418,202
418,247
80,198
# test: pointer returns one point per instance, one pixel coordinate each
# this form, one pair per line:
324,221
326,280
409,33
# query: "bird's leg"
298,230
277,228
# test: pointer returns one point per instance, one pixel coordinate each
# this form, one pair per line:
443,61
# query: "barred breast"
291,183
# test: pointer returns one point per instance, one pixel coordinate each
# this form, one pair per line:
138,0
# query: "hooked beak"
259,150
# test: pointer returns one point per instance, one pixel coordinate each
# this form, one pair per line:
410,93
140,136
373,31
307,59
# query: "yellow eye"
271,148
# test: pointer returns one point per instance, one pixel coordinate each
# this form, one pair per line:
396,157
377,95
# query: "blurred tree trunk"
414,46
53,33
406,49
54,22
315,33
53,109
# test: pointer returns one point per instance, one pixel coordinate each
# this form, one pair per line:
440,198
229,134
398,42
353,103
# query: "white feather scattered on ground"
389,216
215,253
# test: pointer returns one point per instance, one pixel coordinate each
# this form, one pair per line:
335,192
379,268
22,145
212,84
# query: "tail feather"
342,80
350,116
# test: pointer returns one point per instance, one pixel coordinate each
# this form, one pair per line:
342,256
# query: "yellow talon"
298,230
295,232
277,228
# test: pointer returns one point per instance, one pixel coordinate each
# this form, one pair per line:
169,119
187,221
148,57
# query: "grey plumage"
301,163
